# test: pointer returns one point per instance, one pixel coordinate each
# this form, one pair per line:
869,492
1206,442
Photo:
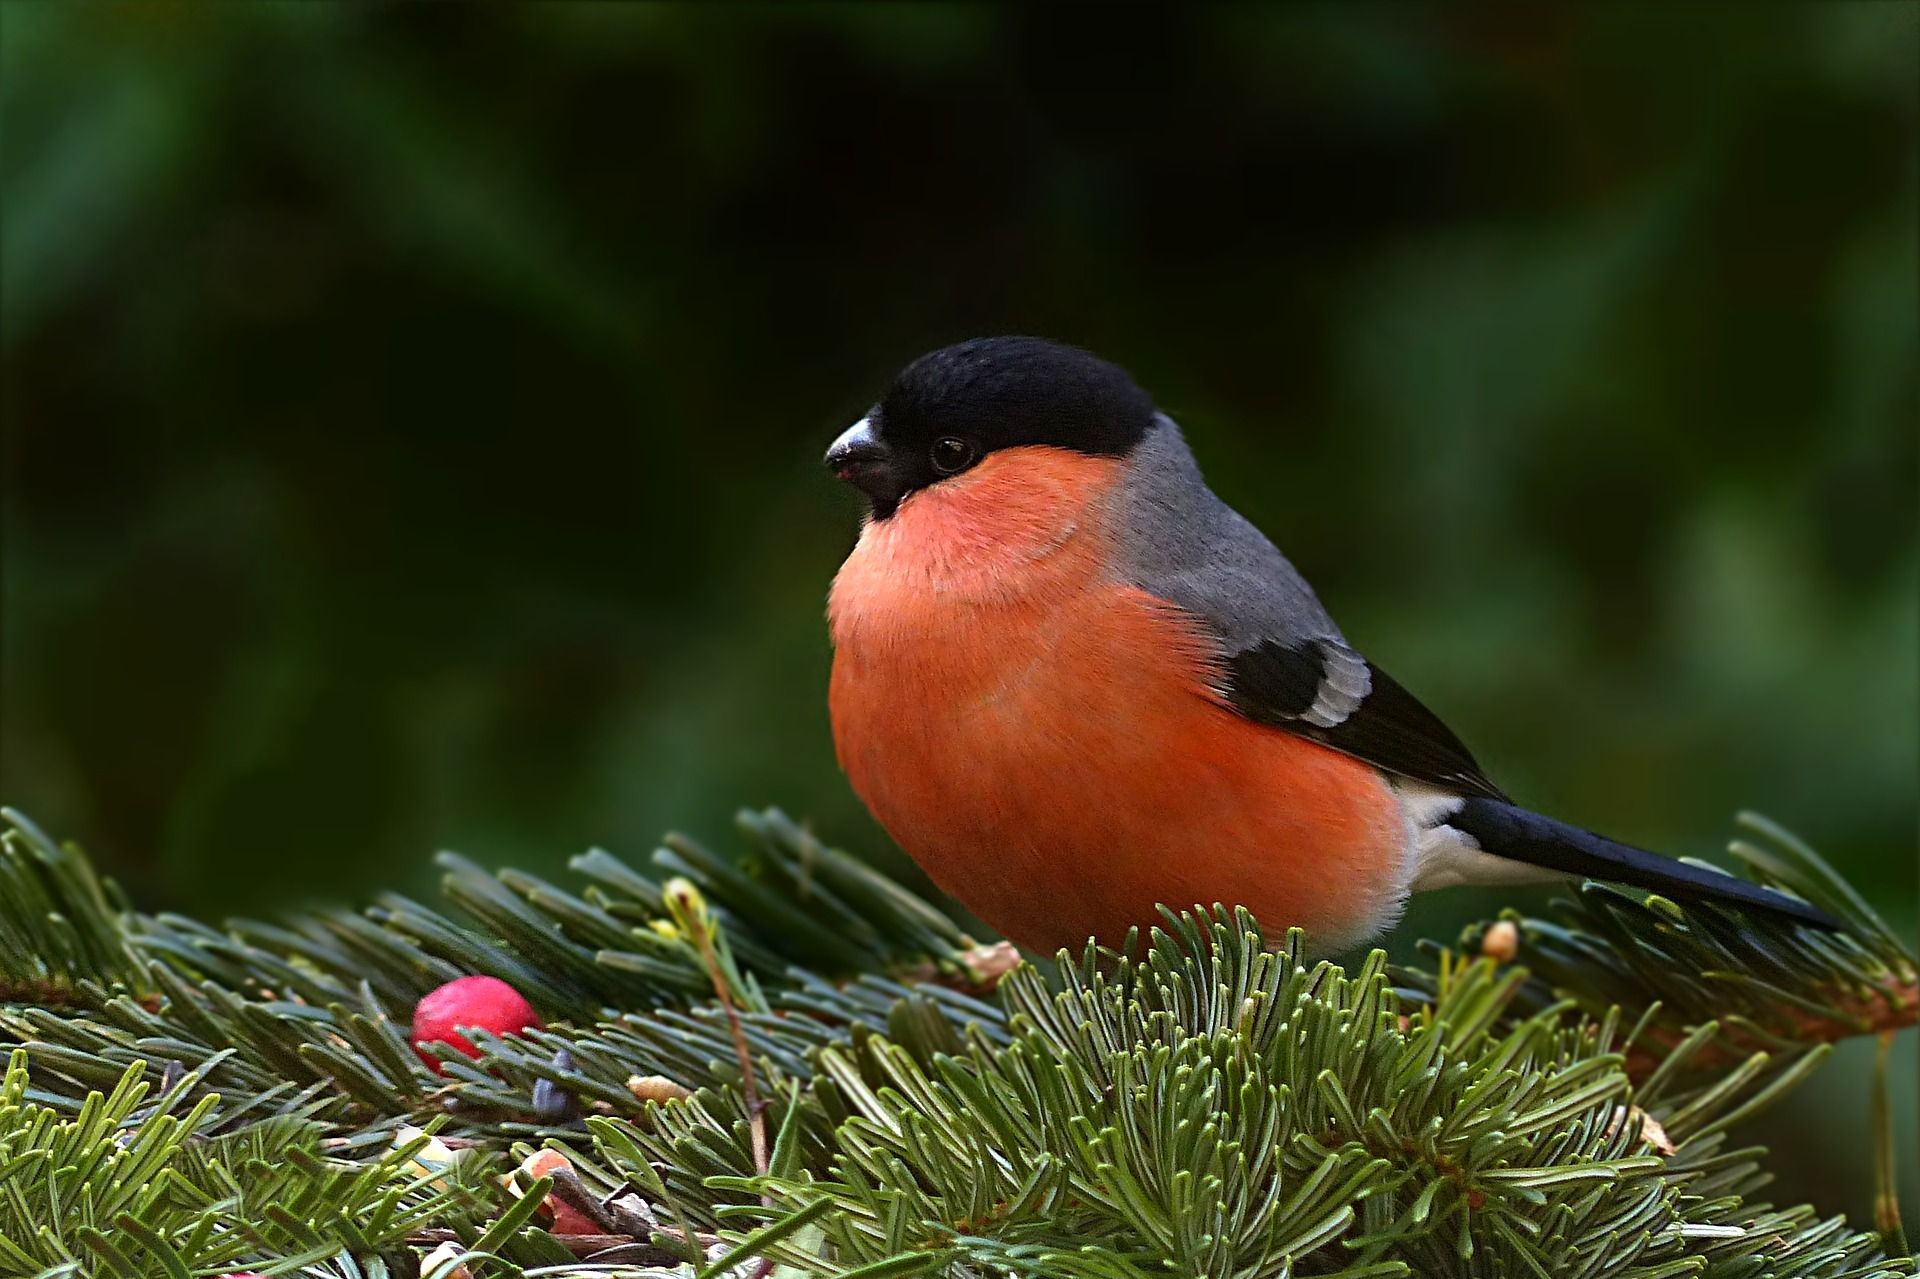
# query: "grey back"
1191,548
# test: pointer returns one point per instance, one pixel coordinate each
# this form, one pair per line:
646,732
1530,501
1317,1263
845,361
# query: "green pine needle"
184,1100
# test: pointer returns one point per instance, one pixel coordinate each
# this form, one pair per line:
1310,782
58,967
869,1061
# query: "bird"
1076,686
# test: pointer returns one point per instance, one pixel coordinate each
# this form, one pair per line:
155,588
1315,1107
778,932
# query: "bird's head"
956,408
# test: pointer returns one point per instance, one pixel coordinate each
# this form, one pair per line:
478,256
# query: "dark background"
414,413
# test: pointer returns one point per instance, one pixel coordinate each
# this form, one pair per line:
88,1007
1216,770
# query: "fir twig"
1886,1194
691,915
1202,1104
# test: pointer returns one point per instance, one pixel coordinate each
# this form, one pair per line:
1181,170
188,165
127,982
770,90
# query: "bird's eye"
951,453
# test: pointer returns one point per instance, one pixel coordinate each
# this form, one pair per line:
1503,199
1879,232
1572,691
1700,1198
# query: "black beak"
860,458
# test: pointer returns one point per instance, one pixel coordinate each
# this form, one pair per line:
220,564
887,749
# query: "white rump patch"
1442,857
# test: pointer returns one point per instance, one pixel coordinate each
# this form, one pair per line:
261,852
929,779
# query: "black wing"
1323,690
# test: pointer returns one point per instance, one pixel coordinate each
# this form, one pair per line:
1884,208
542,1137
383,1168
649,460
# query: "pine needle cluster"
786,1064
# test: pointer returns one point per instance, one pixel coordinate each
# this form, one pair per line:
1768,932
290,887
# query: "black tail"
1508,831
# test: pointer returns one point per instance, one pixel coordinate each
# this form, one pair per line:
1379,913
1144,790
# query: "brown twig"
583,1245
59,994
694,913
1881,1014
749,1091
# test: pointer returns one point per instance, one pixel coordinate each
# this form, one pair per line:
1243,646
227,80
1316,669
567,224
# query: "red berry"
483,1002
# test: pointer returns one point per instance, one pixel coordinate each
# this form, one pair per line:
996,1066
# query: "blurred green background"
414,412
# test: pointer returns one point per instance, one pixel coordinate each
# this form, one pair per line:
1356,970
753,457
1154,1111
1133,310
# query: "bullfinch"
1073,684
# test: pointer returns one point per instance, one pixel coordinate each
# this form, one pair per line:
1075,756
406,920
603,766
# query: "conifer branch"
1758,984
1203,1103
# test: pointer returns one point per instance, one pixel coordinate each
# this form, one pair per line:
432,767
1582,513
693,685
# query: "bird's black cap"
953,406
1008,391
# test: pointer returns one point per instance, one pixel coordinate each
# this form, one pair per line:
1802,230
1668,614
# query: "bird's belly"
1061,772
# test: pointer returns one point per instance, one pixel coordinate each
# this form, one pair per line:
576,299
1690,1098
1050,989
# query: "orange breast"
1047,744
